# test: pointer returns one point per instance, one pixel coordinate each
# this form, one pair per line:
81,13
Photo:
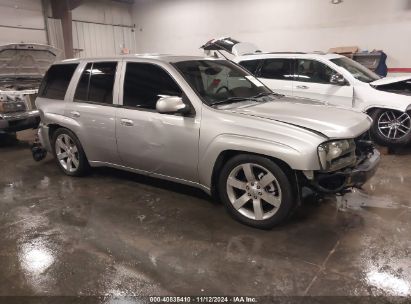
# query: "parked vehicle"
334,80
202,122
22,68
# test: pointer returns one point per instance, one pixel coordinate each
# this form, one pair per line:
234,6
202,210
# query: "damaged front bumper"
14,122
337,182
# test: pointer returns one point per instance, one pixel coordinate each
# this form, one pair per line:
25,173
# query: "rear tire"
69,153
391,128
256,191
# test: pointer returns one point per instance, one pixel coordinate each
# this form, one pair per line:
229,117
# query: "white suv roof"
326,56
249,51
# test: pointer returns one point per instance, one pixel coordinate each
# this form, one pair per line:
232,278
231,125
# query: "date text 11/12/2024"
203,299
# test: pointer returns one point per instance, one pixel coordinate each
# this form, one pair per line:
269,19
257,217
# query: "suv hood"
390,80
231,46
330,121
26,60
398,85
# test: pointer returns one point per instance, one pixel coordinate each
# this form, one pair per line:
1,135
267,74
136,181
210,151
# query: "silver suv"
203,122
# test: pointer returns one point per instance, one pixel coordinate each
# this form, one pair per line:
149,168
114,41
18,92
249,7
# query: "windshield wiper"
263,94
237,99
232,99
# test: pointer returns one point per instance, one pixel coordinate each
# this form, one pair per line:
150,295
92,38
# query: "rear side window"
145,83
96,83
56,81
277,69
250,65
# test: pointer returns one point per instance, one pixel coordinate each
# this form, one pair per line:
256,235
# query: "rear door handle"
126,122
303,87
75,114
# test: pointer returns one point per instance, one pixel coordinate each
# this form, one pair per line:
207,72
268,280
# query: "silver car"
203,122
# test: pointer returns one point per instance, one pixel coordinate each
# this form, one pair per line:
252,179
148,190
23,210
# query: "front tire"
69,153
391,128
256,191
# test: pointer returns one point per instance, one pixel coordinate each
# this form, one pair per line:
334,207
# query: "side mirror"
337,79
171,105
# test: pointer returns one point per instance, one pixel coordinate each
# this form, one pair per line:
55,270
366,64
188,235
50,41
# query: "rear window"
56,81
250,65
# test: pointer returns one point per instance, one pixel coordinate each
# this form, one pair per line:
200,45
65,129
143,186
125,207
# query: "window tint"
102,82
82,86
250,65
97,82
56,81
277,69
145,83
313,71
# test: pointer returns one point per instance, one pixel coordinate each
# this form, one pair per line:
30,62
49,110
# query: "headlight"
336,154
8,107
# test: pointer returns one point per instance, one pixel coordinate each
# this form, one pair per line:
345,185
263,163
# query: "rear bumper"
43,137
14,122
335,182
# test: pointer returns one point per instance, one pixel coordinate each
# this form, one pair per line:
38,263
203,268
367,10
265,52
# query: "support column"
61,9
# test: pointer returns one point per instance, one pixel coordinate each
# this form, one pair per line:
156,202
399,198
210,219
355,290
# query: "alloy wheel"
254,191
67,153
394,124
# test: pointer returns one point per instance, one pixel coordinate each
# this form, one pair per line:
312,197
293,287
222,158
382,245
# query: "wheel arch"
53,127
371,109
226,155
56,121
291,152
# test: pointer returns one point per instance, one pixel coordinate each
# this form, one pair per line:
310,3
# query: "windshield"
220,81
359,71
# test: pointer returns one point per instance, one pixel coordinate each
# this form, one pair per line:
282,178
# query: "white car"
334,80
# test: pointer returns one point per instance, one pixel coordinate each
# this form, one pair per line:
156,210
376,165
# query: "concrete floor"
116,233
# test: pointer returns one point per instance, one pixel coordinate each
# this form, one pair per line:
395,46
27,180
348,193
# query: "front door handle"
75,114
126,122
303,87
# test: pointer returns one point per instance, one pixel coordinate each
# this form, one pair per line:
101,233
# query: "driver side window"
308,70
145,84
